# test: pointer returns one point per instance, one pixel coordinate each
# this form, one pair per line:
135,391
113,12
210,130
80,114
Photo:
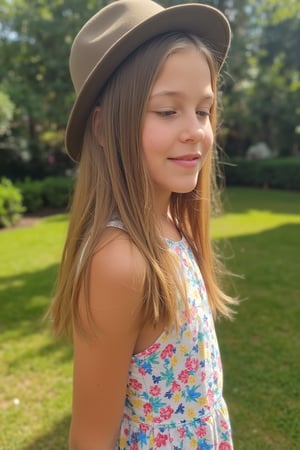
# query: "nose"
192,129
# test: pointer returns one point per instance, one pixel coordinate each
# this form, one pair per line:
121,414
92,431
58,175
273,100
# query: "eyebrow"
166,93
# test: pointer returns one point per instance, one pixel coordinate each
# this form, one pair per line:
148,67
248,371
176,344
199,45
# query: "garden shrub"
51,192
11,207
57,191
279,173
32,192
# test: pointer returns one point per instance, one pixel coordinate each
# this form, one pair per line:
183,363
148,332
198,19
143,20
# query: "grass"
260,347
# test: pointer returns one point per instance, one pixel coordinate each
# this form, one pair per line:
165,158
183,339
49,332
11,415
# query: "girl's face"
177,133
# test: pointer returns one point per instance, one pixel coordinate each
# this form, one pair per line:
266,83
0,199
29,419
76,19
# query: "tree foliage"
261,85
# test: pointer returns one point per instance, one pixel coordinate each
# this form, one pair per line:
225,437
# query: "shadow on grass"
55,439
24,302
24,299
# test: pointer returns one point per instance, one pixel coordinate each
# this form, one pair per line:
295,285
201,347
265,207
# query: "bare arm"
101,364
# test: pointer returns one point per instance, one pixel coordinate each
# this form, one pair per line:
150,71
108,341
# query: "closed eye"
203,113
166,113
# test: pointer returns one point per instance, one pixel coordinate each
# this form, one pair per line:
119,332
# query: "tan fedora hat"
118,29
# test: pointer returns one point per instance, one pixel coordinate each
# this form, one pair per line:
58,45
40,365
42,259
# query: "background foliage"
261,85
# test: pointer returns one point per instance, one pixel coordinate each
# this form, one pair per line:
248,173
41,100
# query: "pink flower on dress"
203,376
135,384
144,427
155,390
201,431
167,351
184,376
210,396
147,408
152,348
161,439
166,413
142,371
175,386
157,420
134,446
224,424
192,363
225,446
181,432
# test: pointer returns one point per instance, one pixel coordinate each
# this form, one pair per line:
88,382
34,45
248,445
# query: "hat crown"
102,32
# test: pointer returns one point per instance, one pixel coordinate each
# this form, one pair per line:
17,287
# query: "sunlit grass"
260,347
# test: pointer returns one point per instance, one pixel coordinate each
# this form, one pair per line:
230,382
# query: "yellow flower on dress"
192,379
188,334
149,418
201,350
202,401
177,397
174,361
183,349
164,337
122,442
190,412
193,442
137,403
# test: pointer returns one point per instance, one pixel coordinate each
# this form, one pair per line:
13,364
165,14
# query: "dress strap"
116,223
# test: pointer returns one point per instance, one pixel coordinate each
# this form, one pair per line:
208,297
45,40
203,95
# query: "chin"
184,190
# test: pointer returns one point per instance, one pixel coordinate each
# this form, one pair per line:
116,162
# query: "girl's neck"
168,228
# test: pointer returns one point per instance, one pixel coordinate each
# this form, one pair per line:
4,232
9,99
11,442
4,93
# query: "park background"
259,141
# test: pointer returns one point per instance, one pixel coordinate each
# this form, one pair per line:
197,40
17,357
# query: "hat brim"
202,20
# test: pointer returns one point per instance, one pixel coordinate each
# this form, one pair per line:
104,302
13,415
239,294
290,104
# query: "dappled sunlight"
250,222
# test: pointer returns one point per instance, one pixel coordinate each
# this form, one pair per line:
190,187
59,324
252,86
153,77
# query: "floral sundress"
174,393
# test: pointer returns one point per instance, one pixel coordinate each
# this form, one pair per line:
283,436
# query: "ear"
96,124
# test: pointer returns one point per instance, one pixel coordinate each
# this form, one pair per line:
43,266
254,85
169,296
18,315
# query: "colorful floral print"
174,394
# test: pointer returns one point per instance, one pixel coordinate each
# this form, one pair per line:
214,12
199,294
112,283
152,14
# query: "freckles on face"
177,133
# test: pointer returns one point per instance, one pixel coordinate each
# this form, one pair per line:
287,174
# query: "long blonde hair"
113,182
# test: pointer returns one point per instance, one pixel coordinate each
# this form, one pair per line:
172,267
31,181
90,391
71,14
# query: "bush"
57,191
11,207
32,192
279,173
51,192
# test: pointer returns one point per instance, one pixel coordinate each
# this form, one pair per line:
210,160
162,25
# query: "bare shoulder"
116,283
118,260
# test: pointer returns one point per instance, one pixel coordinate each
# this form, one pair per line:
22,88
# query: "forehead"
186,69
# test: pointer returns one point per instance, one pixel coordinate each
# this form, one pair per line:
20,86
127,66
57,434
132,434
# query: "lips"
186,161
186,158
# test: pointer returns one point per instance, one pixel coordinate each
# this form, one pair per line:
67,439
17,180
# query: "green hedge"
279,173
51,192
11,207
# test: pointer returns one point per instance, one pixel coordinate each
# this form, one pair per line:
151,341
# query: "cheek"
208,139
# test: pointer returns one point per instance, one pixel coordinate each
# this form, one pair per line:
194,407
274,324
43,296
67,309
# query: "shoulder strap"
115,223
112,223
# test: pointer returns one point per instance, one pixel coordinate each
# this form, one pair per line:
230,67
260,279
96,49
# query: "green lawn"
260,347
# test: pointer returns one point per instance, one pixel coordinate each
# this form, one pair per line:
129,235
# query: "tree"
35,45
261,85
6,113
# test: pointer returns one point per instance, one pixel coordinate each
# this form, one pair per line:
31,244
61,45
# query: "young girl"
138,286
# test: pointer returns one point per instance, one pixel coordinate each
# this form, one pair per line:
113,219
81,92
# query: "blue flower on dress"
155,379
